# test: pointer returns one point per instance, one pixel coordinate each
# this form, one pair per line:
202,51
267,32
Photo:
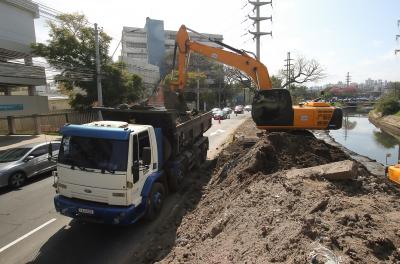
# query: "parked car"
215,109
221,115
20,163
247,108
227,109
238,109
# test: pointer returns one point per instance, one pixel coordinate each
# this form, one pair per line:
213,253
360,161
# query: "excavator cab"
273,110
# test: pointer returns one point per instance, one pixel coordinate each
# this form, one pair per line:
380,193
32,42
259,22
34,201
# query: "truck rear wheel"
175,179
155,201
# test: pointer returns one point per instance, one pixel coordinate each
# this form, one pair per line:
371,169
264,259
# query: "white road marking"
219,131
27,234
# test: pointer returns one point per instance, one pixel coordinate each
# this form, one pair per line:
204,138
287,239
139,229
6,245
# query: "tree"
276,82
71,52
304,71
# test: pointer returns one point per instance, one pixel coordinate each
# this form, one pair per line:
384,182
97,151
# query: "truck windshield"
95,153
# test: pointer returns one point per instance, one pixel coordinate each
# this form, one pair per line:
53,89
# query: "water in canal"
362,137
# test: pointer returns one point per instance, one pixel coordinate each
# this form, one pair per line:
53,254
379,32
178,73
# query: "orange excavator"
272,109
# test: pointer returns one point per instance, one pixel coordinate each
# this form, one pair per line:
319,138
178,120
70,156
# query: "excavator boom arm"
252,67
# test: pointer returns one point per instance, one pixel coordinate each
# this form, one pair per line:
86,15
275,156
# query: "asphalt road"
32,232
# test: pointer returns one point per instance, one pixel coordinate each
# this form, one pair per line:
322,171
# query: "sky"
354,36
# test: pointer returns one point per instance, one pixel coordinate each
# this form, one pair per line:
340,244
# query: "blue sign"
11,107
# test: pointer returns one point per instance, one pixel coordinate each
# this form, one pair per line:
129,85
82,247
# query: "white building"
17,33
144,49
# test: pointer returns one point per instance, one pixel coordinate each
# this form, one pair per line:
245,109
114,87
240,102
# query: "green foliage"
276,82
388,105
71,51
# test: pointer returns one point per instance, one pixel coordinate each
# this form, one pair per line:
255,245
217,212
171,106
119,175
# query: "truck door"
140,170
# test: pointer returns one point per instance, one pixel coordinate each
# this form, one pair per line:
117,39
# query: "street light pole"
98,73
198,91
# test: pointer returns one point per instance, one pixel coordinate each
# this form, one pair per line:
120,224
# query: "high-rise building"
144,49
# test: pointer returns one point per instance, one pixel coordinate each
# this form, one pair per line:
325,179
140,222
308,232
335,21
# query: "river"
362,137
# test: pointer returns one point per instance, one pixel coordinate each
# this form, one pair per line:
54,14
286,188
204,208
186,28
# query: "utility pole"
256,20
198,91
288,69
98,73
397,38
348,78
219,94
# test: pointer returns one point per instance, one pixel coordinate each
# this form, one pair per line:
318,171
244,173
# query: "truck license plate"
85,211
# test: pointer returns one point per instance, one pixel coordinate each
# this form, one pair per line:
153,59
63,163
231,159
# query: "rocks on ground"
252,212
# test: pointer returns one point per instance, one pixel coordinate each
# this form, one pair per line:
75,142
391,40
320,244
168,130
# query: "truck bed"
180,131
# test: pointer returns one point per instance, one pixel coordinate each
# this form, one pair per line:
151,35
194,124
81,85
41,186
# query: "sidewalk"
12,141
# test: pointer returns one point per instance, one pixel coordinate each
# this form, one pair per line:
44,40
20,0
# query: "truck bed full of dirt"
251,212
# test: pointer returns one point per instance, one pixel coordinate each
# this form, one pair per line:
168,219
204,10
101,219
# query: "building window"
137,55
169,46
136,34
136,45
173,37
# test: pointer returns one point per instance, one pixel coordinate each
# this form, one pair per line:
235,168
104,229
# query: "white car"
227,110
247,108
238,109
214,110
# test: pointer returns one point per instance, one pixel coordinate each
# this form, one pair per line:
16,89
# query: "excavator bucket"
163,97
175,101
272,108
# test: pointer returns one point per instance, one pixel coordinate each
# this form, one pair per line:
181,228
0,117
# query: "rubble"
335,171
264,204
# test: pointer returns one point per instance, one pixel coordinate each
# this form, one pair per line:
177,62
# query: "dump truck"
120,170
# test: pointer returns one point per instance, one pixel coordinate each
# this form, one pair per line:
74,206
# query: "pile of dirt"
250,212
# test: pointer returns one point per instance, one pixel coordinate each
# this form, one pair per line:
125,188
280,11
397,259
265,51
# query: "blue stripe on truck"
99,213
155,176
107,214
96,132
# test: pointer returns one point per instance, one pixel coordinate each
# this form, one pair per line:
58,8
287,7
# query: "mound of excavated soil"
251,212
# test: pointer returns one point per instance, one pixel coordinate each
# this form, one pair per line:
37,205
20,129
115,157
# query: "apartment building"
144,49
17,73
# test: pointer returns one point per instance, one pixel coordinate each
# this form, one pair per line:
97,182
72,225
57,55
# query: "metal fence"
48,122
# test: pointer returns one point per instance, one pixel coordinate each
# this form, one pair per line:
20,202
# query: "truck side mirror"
146,155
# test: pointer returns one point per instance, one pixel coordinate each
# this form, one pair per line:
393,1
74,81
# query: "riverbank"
371,165
389,123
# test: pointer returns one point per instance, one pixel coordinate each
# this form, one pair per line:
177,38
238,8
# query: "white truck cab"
103,168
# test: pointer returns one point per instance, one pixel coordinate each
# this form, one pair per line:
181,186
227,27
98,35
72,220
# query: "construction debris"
263,204
335,171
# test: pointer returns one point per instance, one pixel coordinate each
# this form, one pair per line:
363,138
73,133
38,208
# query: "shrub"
388,105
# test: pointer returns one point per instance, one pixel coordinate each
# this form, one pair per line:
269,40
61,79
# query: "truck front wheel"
155,201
